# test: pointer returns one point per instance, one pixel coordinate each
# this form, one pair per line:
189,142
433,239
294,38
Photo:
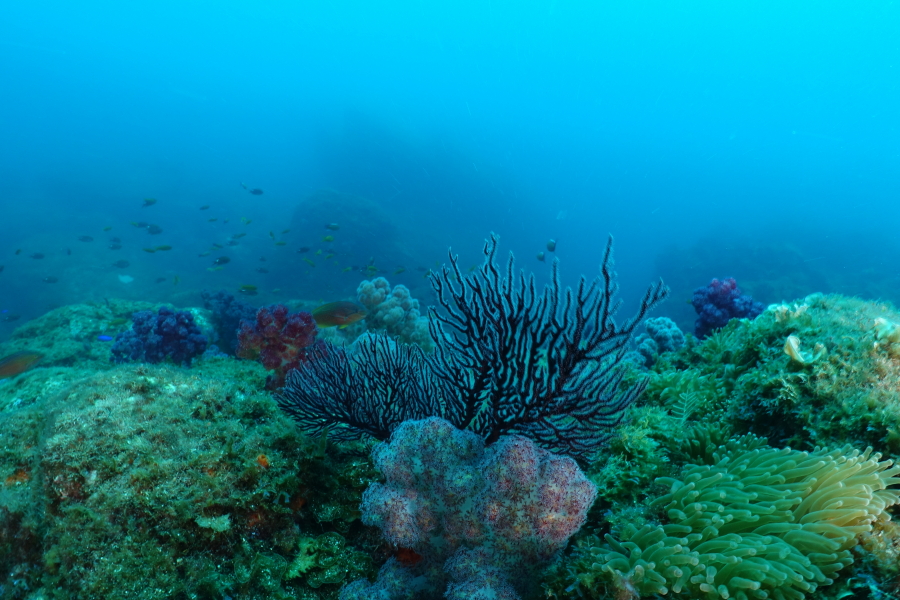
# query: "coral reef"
153,338
494,515
279,340
68,336
394,312
718,303
746,521
153,482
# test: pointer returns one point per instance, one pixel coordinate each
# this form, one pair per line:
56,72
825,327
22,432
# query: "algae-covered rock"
161,482
80,335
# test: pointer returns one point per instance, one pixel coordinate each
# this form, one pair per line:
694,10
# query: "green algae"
159,482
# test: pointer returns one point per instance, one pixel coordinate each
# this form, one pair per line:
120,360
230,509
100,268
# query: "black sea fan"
547,366
369,388
507,360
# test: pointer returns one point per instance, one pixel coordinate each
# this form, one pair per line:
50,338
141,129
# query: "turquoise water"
765,133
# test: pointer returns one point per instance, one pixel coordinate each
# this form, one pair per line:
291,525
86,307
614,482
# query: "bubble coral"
394,311
279,341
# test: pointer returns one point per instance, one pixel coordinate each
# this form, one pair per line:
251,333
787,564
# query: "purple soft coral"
155,337
718,303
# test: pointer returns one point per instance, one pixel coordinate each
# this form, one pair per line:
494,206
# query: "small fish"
421,269
119,321
18,251
232,243
17,363
281,243
238,236
160,279
148,202
68,252
37,255
10,318
346,269
212,220
150,250
1,268
256,192
427,274
262,259
204,207
327,238
551,246
540,256
261,270
121,264
176,280
303,249
246,221
341,314
85,238
333,226
222,260
225,220
163,248
309,262
319,252
272,234
207,253
50,279
400,270
248,290
115,246
154,229
472,268
104,338
107,228
327,256
139,224
285,231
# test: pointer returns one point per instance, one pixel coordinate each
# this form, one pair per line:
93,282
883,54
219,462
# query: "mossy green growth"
67,336
326,559
160,482
750,522
742,375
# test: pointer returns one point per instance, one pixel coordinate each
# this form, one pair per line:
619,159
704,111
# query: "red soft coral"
279,340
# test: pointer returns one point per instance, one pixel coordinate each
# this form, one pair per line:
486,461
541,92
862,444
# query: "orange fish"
341,313
17,363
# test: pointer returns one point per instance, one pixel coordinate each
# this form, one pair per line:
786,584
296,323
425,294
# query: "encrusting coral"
746,521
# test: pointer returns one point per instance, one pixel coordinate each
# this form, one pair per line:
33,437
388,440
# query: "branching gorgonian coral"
507,359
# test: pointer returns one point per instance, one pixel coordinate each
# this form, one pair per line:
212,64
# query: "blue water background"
759,140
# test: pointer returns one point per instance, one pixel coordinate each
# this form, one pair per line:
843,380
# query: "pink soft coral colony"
279,340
